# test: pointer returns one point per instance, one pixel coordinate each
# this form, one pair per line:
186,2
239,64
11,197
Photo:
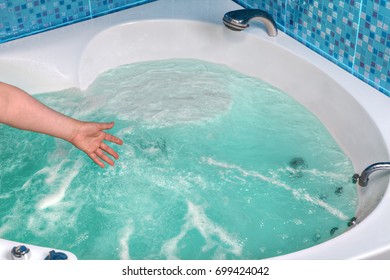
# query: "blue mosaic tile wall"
354,34
19,18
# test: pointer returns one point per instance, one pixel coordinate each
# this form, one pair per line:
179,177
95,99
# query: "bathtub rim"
359,92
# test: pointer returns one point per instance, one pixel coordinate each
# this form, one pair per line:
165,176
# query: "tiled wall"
354,34
20,18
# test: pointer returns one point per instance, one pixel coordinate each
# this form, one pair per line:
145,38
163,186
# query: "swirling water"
215,165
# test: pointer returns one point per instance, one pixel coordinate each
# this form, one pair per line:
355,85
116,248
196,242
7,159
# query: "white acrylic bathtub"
356,114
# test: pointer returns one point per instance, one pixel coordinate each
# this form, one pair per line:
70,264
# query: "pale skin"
20,110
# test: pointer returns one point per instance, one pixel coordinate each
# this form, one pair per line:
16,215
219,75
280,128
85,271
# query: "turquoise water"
215,165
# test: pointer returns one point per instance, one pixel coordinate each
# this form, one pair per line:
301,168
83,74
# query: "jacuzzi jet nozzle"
352,222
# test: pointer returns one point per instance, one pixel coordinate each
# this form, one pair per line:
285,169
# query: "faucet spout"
363,178
239,20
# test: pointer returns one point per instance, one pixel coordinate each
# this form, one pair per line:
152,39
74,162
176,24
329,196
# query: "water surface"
215,165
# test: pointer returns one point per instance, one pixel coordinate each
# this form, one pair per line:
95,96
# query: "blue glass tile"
329,26
373,45
19,18
26,17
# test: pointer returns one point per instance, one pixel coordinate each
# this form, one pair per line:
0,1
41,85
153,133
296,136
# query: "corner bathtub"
355,114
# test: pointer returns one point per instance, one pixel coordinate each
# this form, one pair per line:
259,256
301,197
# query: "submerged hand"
20,110
89,137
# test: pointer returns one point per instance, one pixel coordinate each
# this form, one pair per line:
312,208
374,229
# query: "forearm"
22,111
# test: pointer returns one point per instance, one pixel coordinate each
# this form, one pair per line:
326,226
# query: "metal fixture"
363,178
53,255
238,20
20,252
352,222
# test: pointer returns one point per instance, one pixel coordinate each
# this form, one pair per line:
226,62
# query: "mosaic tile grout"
356,43
20,18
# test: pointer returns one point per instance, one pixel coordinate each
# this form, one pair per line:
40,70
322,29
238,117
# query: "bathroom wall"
19,18
354,34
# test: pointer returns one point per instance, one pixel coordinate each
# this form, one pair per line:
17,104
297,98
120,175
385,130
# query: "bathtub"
355,114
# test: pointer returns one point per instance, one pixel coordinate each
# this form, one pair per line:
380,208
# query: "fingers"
109,137
113,139
99,156
96,159
104,157
109,150
105,126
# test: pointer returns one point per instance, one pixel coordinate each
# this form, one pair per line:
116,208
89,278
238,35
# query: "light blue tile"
373,46
23,17
330,26
19,18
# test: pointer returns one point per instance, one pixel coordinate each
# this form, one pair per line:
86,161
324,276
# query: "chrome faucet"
363,178
238,20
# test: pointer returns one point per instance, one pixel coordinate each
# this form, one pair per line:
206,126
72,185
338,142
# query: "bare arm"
22,111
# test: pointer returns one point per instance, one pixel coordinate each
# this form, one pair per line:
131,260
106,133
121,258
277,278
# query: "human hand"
89,137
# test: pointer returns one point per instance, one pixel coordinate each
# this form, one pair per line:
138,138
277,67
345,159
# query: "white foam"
5,195
54,172
315,172
45,222
4,228
125,234
64,179
298,194
196,218
125,131
169,248
44,170
158,93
